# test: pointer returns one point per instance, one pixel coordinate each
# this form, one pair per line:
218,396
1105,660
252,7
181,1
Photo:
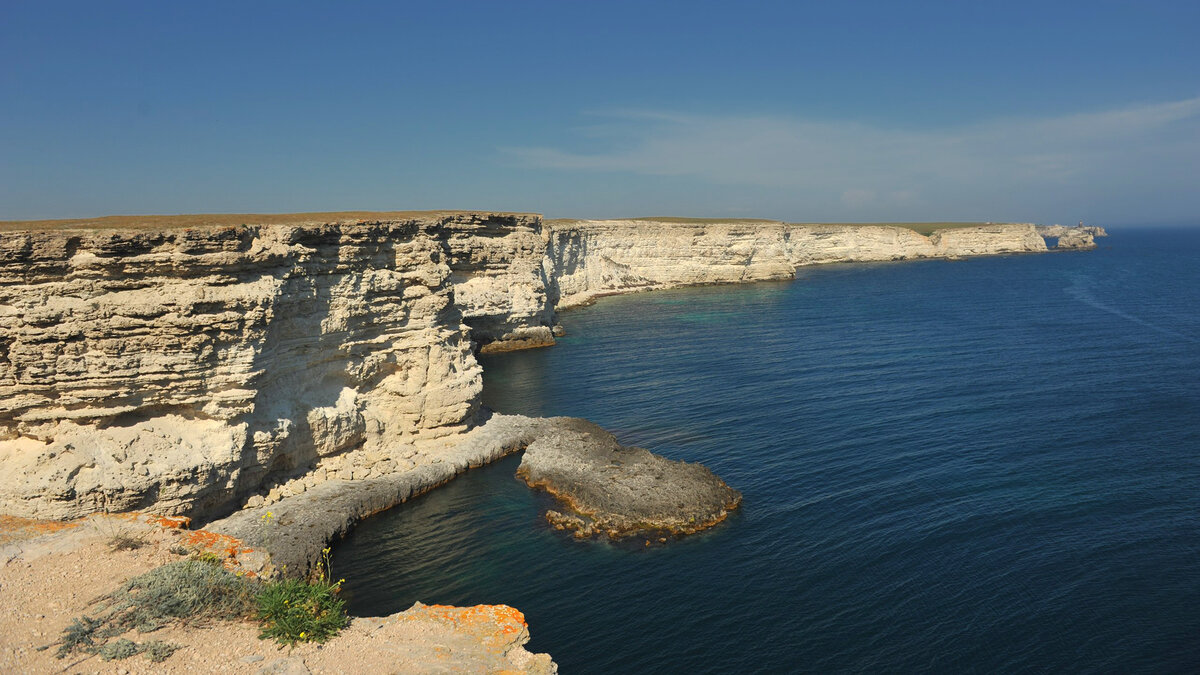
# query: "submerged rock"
621,491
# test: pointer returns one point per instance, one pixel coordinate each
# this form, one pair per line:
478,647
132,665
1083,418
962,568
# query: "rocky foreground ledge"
51,574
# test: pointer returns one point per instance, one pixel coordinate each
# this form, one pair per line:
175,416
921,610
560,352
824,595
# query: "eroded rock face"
1072,238
177,368
499,281
619,491
586,259
193,364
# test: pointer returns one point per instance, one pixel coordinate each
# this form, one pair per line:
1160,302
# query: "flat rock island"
621,491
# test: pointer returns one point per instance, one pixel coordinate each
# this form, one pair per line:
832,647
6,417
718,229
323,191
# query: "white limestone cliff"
587,259
1072,238
175,369
499,281
190,365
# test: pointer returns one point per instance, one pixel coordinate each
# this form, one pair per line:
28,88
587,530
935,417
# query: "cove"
988,464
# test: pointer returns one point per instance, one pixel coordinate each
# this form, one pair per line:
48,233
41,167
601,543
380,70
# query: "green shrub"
201,589
292,610
187,590
207,557
155,650
79,635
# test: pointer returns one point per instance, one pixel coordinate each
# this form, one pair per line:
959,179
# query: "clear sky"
802,111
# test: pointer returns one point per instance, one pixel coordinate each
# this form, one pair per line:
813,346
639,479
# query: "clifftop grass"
201,220
198,591
920,228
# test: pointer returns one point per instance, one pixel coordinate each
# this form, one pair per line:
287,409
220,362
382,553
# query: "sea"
986,465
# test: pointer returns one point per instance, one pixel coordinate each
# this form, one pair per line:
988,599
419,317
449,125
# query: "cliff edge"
195,365
586,259
181,369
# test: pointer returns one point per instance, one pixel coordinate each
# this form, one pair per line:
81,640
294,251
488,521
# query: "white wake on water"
1080,291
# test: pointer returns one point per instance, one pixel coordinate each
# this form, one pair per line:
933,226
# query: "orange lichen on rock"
174,522
169,522
221,544
498,627
13,528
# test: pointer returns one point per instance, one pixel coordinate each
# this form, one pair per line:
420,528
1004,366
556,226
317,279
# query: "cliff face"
178,368
499,281
1072,238
190,365
586,259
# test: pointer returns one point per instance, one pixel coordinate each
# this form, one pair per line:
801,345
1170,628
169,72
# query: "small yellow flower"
303,635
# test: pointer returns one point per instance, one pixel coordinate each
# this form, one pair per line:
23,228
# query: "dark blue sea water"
977,466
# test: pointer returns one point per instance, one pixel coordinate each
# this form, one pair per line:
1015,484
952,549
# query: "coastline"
364,470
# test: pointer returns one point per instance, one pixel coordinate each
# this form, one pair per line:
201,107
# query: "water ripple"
958,468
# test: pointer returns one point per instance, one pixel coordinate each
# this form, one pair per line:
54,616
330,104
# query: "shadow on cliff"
305,378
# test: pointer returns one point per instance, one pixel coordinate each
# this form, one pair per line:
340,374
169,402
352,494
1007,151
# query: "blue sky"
825,111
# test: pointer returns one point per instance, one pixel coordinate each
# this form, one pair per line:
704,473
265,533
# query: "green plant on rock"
294,610
191,590
187,590
80,635
201,589
207,557
155,650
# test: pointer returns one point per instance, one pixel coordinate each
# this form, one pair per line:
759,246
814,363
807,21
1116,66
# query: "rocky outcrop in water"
620,491
1072,238
293,529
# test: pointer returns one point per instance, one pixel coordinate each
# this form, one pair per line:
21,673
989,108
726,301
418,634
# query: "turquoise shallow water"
987,465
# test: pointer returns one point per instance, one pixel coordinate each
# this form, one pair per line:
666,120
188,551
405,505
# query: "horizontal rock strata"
1072,238
621,491
590,258
499,281
180,368
193,365
304,371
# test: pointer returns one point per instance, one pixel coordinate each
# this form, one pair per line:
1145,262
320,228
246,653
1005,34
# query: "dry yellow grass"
185,221
921,228
217,220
